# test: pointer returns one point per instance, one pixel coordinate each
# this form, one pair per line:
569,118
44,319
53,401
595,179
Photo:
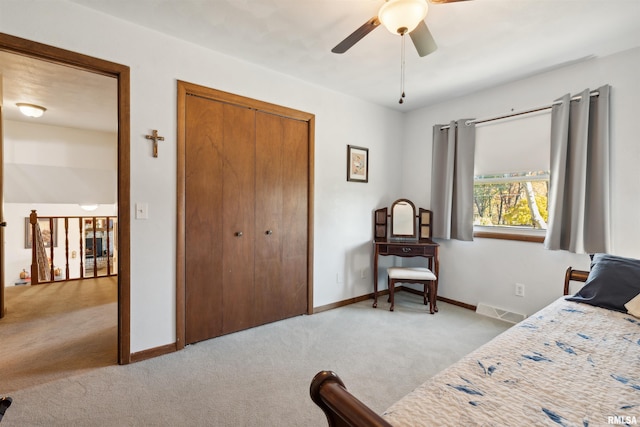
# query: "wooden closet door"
238,201
246,217
219,212
295,215
281,217
203,216
269,227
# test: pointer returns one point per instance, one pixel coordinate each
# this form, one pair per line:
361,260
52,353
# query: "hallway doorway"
120,73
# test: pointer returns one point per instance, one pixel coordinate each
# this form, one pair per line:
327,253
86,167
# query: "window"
511,177
512,200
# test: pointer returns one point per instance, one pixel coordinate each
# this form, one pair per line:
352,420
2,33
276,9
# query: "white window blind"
516,144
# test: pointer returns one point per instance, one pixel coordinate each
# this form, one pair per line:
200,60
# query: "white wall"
486,270
39,144
342,210
77,165
52,169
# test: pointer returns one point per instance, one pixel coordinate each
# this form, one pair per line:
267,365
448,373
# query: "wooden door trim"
2,248
190,89
121,73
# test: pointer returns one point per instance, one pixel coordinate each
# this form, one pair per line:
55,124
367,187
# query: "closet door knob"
268,232
239,234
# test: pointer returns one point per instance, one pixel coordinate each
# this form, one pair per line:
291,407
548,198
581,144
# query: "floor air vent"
498,313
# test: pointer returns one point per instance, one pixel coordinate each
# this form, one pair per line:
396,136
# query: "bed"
573,363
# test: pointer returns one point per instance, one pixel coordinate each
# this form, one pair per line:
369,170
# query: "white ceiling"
73,98
481,43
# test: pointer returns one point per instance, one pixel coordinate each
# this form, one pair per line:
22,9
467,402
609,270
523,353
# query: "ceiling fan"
399,17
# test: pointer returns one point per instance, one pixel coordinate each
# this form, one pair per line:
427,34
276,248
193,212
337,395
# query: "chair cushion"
410,273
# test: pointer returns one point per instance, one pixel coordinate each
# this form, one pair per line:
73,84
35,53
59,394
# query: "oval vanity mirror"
403,219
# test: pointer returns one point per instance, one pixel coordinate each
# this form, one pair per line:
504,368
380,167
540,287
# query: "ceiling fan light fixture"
31,110
402,16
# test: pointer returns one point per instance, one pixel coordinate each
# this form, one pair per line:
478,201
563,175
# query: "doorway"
121,73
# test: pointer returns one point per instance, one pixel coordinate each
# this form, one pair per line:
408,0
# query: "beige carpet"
261,376
57,330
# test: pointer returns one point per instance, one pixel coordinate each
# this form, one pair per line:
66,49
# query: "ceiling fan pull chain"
402,69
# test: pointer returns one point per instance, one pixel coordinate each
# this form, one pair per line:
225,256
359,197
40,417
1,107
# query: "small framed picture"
357,164
48,235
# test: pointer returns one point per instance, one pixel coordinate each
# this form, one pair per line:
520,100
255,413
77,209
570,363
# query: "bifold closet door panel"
203,217
269,227
295,215
281,214
238,223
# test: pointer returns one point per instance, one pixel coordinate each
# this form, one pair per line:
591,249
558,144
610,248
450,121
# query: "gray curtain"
452,180
579,201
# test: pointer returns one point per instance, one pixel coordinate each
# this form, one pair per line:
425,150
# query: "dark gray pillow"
613,281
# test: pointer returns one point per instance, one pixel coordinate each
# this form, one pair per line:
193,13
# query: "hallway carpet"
57,330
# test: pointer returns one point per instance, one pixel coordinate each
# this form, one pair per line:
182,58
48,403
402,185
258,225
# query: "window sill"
535,237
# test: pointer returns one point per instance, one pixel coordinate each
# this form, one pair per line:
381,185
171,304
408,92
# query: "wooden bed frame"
344,410
5,402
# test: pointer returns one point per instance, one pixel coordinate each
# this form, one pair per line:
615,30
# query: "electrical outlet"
519,289
363,273
339,278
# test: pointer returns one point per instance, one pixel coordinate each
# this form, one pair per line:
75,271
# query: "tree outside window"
512,200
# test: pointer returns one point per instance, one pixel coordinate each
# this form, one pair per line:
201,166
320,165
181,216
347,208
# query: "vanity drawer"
408,250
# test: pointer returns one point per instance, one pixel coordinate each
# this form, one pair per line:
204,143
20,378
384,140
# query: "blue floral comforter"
570,364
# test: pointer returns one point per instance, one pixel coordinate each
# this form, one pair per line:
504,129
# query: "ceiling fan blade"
423,40
355,37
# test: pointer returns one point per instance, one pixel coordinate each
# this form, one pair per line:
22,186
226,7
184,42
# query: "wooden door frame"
189,89
121,73
2,226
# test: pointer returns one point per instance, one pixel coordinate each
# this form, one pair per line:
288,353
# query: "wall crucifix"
155,137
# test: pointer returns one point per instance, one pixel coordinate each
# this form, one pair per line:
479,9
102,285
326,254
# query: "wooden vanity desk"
403,240
426,249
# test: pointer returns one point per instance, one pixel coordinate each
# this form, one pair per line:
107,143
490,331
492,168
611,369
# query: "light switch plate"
142,210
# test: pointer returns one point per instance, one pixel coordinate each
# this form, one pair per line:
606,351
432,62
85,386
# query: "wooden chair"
413,275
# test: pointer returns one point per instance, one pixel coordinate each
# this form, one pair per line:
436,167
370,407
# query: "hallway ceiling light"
31,110
89,207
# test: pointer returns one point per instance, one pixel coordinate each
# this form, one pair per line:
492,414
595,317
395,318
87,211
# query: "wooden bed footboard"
341,407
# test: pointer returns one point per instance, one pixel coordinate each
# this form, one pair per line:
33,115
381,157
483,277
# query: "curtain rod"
533,110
